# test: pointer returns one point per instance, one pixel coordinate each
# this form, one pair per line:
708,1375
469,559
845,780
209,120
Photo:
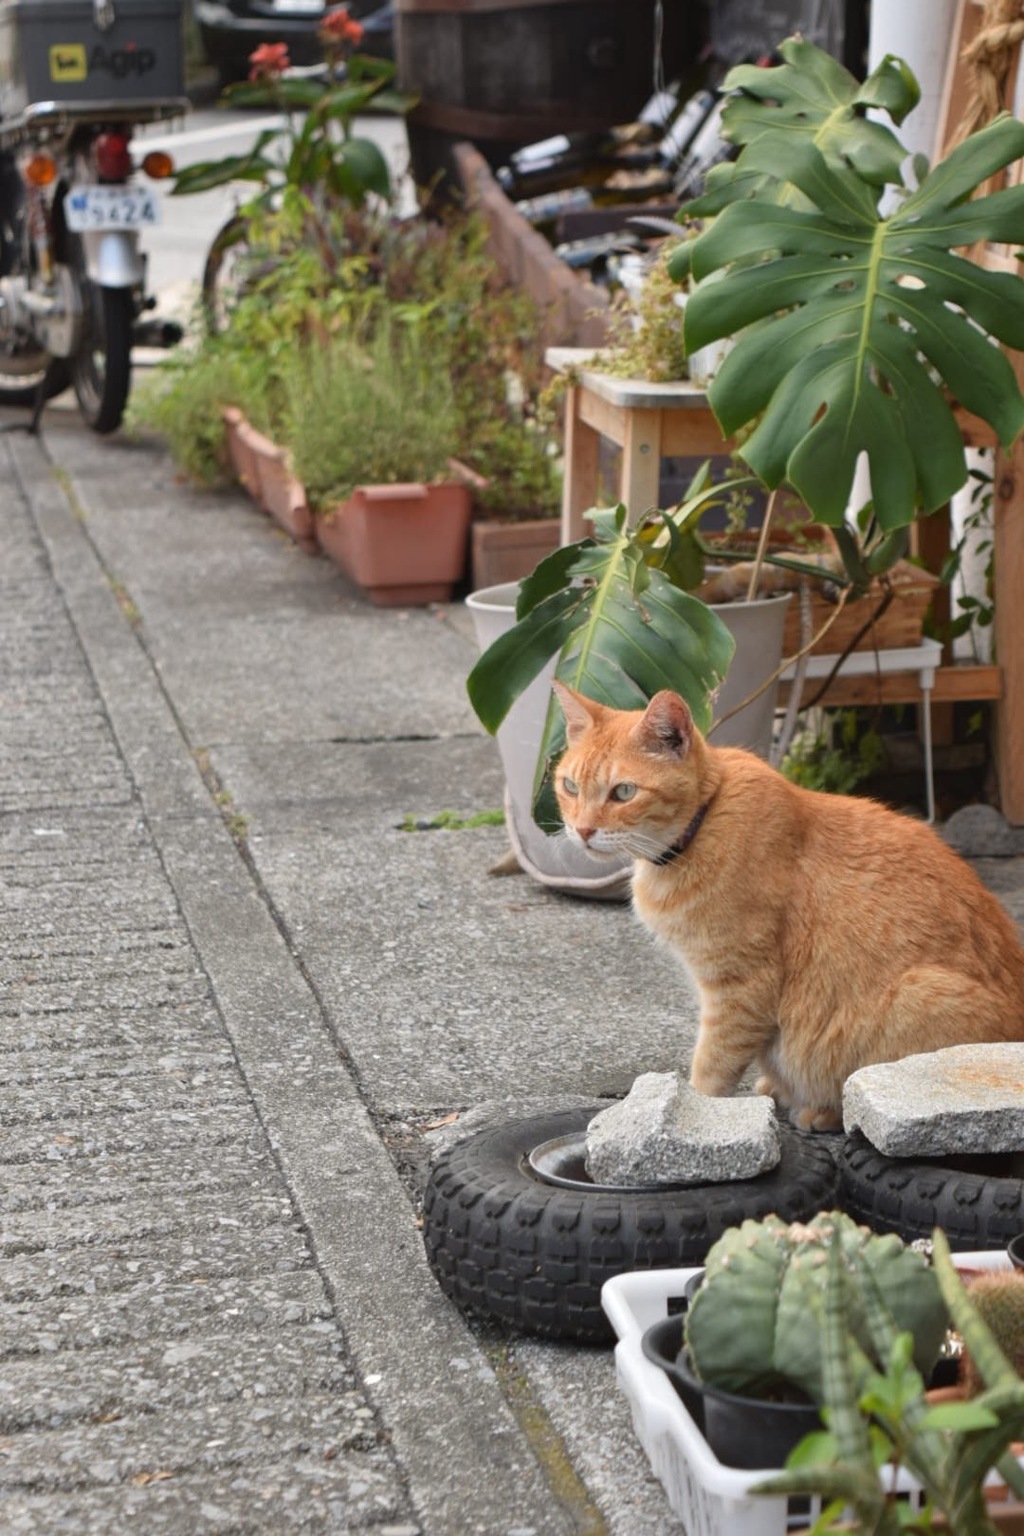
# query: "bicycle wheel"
230,272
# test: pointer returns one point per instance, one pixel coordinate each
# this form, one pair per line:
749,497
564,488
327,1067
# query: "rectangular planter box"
262,469
502,552
900,624
403,544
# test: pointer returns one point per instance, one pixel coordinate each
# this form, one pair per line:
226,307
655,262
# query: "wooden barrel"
503,74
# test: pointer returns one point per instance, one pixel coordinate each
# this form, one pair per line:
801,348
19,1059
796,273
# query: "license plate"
303,7
87,208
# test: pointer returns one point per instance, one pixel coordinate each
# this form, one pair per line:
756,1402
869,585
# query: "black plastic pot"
745,1432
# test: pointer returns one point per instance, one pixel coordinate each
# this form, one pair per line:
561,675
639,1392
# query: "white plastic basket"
709,1498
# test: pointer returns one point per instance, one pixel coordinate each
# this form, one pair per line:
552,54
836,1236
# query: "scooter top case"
78,56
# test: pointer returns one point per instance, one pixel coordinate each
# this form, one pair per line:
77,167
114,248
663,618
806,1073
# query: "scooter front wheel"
102,366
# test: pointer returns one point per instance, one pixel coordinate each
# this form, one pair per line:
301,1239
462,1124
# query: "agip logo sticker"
68,62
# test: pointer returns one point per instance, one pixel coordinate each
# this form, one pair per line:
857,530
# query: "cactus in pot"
998,1299
754,1326
880,1421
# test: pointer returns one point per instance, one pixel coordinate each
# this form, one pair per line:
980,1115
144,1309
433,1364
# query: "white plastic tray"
710,1499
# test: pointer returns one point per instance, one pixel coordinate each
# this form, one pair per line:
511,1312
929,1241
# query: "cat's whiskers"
644,847
631,841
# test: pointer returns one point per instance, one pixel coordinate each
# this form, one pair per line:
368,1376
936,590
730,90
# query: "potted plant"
515,505
751,1362
372,428
614,616
310,165
880,1419
855,332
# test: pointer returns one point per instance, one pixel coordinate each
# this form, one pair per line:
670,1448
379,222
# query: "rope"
990,57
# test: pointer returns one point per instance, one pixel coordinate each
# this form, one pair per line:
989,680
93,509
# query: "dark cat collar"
681,844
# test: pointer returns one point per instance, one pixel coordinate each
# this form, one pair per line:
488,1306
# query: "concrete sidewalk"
236,996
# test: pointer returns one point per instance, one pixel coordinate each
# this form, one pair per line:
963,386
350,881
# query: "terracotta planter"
241,458
284,497
509,551
403,544
261,467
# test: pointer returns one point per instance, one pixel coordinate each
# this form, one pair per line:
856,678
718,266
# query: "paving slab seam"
408,1344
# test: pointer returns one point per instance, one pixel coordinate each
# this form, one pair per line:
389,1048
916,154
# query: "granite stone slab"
967,1098
664,1132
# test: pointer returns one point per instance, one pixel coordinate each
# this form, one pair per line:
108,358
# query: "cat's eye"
569,785
624,791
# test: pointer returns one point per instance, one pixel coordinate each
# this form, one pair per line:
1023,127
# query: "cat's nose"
585,833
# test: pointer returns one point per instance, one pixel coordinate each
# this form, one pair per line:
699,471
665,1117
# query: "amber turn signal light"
40,170
158,165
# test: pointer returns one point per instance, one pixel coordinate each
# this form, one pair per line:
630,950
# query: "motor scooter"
72,272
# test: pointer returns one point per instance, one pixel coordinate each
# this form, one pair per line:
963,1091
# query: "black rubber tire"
101,370
913,1196
504,1244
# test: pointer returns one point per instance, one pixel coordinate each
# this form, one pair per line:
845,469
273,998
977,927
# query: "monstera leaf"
809,98
855,330
620,629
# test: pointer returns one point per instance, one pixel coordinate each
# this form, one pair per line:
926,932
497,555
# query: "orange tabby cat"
823,932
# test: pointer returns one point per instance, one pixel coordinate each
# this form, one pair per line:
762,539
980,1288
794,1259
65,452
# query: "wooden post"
1008,509
579,485
931,540
641,462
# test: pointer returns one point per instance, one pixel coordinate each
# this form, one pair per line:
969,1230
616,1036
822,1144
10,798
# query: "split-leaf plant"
856,331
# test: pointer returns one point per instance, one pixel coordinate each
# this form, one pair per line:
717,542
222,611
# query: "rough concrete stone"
664,1132
982,832
969,1098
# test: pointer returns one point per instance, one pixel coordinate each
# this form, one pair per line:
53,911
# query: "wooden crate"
899,625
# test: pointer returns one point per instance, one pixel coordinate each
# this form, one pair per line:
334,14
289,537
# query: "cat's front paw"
772,1089
818,1119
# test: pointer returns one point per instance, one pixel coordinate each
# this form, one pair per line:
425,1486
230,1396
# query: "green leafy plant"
837,757
881,1420
646,340
810,99
377,413
320,151
614,610
432,287
452,821
182,401
977,611
854,331
618,612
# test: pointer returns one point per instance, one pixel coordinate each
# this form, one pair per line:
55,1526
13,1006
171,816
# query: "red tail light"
112,157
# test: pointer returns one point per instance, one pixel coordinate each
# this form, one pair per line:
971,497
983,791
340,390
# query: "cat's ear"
579,712
666,727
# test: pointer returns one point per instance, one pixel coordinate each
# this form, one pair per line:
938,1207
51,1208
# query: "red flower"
338,27
268,61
